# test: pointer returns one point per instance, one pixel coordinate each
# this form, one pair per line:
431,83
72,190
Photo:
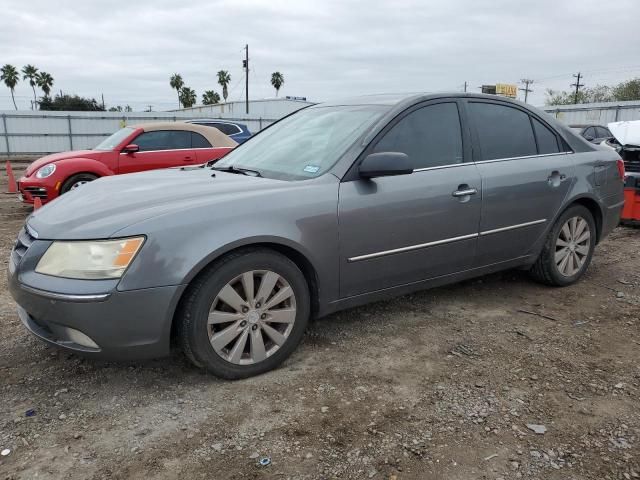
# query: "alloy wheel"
78,184
251,317
572,246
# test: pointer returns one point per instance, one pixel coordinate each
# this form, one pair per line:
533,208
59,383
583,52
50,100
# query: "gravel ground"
448,383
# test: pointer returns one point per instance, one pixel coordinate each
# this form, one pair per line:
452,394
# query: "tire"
558,274
243,357
75,181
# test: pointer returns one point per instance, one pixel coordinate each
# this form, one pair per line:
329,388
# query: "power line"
526,88
577,85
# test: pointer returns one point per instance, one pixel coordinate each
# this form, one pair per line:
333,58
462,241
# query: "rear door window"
503,131
198,141
547,140
163,140
431,136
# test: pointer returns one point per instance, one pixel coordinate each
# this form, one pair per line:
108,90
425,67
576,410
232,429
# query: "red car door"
158,149
204,150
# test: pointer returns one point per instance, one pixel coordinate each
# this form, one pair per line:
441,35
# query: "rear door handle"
556,178
187,159
464,193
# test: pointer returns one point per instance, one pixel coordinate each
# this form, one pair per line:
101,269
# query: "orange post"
13,188
37,203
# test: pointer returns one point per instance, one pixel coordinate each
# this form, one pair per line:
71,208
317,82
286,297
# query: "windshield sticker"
311,169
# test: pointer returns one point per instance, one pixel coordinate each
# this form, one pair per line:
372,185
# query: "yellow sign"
507,90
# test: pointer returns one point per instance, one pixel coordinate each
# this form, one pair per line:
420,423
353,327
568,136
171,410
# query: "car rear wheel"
245,314
76,181
568,249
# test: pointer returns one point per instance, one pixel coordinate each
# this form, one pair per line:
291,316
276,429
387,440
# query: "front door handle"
464,192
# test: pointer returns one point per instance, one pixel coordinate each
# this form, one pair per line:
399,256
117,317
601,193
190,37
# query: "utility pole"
103,107
246,77
465,86
526,88
577,85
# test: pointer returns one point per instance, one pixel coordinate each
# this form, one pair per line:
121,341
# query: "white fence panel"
49,132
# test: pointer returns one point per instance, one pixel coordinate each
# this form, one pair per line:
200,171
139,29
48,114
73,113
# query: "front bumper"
118,325
30,188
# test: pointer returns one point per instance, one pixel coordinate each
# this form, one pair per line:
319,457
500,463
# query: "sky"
325,49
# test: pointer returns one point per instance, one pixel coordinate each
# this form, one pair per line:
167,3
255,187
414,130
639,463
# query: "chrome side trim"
99,297
175,150
411,247
513,227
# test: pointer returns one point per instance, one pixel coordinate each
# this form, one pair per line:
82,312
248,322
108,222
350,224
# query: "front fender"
72,166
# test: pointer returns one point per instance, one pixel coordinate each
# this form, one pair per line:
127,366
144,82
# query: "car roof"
585,125
215,136
402,99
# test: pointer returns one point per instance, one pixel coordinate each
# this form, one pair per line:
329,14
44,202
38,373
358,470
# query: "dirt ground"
437,385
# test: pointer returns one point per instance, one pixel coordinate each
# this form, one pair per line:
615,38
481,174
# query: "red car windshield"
114,140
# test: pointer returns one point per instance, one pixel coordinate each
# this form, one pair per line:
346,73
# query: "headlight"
46,171
92,260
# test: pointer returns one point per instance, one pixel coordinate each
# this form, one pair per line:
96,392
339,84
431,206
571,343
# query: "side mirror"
385,164
131,148
589,138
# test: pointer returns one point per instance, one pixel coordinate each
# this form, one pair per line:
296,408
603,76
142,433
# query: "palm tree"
30,73
188,97
224,79
277,80
177,83
9,75
45,82
209,97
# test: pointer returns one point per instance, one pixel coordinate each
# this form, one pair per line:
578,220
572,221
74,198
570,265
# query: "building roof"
215,136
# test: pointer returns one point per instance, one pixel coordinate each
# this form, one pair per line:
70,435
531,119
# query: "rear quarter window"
547,140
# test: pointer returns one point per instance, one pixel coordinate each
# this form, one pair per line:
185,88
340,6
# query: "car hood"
54,157
105,206
626,133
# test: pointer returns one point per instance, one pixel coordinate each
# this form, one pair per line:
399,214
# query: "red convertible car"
130,149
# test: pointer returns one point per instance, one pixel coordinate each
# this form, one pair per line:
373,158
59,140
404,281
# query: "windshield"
304,145
114,140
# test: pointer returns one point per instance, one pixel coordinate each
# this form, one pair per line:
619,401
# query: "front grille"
24,241
37,192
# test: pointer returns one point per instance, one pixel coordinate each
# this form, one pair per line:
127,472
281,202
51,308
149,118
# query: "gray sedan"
334,206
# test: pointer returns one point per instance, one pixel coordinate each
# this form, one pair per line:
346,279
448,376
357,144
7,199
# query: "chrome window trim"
513,227
440,167
461,164
411,247
66,297
523,157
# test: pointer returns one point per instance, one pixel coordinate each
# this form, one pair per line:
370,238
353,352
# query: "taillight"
621,169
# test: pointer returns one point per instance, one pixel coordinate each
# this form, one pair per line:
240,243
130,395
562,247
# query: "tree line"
623,91
187,96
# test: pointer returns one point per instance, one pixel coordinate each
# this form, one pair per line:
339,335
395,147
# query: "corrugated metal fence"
25,133
595,113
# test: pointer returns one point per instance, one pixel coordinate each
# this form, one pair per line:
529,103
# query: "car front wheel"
568,248
77,181
245,314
